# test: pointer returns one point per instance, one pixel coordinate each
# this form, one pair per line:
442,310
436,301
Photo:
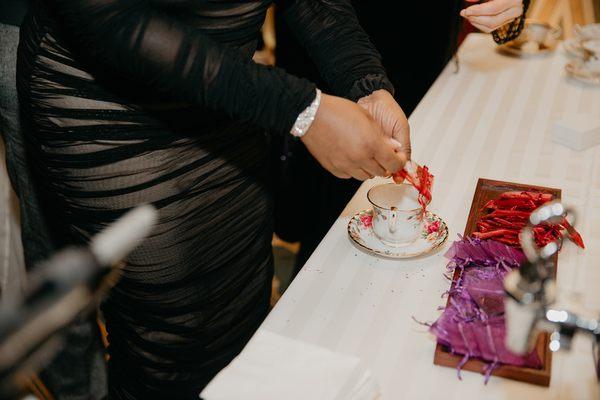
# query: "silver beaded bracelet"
306,117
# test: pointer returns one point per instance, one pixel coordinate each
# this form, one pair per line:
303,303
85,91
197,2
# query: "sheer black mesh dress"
132,101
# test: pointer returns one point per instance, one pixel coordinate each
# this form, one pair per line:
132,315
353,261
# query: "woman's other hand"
348,142
492,14
390,117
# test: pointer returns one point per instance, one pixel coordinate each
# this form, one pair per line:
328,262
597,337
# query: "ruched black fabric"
158,101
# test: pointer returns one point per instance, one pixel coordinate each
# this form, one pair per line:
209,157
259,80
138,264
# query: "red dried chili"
418,176
507,215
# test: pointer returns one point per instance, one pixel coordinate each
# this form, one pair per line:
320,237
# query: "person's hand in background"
491,15
348,142
390,117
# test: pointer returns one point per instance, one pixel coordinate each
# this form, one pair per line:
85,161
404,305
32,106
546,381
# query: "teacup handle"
393,221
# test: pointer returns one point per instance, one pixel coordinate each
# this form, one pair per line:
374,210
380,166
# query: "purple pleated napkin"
472,323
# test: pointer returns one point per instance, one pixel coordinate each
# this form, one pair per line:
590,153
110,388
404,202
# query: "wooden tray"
485,191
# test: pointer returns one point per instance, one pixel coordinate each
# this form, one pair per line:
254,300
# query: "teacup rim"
543,24
587,41
389,208
580,30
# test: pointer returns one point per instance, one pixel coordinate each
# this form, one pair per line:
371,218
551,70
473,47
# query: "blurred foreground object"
531,301
62,288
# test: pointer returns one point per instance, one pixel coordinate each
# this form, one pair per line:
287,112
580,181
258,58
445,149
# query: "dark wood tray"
485,191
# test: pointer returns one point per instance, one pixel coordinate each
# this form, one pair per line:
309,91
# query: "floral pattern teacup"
397,214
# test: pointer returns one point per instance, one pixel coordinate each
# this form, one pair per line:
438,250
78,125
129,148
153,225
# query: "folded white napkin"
275,367
578,131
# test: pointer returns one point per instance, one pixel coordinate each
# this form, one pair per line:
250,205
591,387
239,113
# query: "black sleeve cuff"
368,84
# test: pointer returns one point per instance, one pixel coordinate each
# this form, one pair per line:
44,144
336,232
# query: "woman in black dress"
414,54
136,101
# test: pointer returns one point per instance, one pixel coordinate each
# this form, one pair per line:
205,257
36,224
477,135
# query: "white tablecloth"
490,120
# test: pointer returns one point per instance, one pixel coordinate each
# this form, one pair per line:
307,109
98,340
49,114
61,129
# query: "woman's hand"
492,14
390,117
347,142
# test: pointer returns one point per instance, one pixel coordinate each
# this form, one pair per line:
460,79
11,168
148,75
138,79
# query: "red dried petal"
422,180
508,214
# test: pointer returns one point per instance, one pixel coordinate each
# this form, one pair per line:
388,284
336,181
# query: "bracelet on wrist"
306,117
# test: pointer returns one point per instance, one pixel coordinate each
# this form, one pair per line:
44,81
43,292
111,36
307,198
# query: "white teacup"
586,32
397,214
592,47
591,51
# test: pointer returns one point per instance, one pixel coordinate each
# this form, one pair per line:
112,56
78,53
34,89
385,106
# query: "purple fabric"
473,322
488,295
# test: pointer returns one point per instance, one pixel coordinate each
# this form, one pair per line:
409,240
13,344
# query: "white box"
577,131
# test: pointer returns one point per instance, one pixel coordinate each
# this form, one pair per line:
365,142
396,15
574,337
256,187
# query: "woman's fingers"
347,141
396,144
389,159
490,8
374,168
390,117
361,175
488,23
493,14
340,174
369,171
482,28
402,143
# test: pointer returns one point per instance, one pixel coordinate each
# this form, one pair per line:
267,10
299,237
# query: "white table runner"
493,120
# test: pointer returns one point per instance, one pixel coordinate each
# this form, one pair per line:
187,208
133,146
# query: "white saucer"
573,47
433,235
579,70
523,50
